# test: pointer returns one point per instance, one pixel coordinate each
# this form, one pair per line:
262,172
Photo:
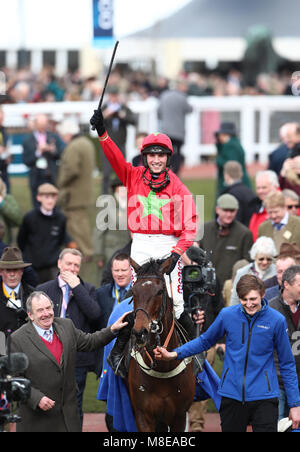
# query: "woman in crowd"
262,254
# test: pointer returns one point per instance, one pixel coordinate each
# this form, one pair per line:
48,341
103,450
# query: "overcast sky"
68,23
133,15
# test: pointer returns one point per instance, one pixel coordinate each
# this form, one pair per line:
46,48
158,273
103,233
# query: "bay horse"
161,392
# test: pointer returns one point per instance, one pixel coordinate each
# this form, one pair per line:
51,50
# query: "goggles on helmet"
156,150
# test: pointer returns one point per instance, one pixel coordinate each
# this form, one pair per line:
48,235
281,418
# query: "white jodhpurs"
159,246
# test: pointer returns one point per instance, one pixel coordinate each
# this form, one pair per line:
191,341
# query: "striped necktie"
47,335
66,298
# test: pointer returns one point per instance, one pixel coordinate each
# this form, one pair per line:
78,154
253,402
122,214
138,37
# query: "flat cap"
47,189
227,201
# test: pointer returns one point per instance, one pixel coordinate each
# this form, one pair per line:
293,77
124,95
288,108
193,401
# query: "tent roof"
227,19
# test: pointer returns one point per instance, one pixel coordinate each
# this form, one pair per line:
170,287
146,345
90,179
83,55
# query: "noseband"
154,325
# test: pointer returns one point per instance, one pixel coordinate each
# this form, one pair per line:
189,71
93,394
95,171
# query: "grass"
89,272
90,403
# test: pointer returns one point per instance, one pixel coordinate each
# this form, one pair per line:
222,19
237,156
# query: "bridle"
156,326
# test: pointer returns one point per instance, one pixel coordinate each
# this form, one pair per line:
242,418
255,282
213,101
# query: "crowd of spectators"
228,236
25,86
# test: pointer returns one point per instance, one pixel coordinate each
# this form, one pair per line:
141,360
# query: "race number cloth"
159,246
113,390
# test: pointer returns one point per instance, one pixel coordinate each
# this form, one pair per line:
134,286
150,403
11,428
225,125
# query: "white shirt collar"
45,212
40,330
9,289
61,282
284,220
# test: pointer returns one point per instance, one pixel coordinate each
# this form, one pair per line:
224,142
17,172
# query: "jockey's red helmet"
157,143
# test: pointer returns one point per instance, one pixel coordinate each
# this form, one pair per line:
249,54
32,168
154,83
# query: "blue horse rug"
112,388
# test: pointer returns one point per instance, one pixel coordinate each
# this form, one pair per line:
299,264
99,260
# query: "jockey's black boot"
188,324
116,358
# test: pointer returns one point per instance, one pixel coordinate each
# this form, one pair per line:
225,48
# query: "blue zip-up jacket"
249,371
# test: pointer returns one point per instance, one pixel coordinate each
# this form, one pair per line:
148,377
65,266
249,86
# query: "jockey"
161,215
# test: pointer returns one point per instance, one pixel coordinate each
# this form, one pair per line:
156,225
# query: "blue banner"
17,167
103,20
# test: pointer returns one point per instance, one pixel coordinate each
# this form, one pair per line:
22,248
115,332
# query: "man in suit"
292,201
227,239
281,226
283,262
111,294
41,152
172,110
75,184
13,290
288,137
287,303
51,345
117,117
75,299
265,182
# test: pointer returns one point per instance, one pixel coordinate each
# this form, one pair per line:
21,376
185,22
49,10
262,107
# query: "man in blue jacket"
249,385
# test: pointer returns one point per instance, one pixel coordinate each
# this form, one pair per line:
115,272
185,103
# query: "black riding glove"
97,121
130,318
175,258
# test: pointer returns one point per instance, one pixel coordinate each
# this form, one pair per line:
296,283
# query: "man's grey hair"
287,193
36,294
290,274
271,175
73,251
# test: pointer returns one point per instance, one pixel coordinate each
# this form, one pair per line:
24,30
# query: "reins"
161,314
166,343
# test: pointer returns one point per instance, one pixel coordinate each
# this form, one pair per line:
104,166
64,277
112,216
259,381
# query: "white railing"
253,113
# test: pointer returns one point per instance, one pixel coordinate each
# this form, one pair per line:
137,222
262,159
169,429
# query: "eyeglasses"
261,259
290,207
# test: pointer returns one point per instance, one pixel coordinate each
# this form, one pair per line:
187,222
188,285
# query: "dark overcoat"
50,379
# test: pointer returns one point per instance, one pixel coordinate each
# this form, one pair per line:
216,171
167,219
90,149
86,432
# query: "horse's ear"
165,266
135,266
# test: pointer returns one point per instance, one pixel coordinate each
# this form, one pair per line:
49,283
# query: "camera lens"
192,273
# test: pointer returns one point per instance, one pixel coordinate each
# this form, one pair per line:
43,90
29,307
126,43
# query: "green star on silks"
152,205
